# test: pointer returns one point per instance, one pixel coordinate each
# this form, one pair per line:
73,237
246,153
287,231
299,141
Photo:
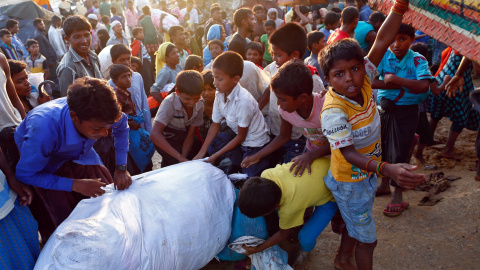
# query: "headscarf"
278,22
214,32
160,56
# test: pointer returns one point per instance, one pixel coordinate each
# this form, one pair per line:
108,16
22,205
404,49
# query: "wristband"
378,169
366,167
400,7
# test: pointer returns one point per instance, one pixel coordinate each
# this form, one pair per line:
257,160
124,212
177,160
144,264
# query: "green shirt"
149,30
266,55
104,9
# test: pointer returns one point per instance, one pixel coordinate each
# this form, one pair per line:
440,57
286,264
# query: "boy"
278,189
194,62
178,117
349,23
8,49
240,110
404,83
37,63
106,22
136,64
139,50
315,43
269,28
255,53
56,38
192,13
260,15
215,47
332,22
115,17
351,123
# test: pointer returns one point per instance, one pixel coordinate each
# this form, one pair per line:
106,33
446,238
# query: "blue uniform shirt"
413,66
47,139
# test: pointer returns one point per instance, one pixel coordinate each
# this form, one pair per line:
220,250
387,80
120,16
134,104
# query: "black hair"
331,18
224,14
4,32
37,21
119,49
56,18
270,23
75,23
11,23
215,8
190,2
344,49
16,66
258,7
241,14
258,197
208,78
92,98
253,45
336,10
30,42
229,62
137,61
105,19
303,10
116,70
193,61
169,49
377,17
406,29
293,79
136,30
189,82
420,48
146,10
349,15
217,42
290,37
314,37
174,29
103,35
113,10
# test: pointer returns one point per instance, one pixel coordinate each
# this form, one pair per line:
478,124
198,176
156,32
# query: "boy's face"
346,77
199,68
34,49
135,67
320,45
333,26
280,57
130,5
254,56
21,83
7,39
188,101
173,58
215,50
93,129
260,15
124,59
140,35
80,41
272,16
401,45
187,39
223,82
124,81
269,29
208,93
217,15
288,103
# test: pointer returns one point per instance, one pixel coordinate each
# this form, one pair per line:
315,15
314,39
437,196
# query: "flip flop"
379,193
403,206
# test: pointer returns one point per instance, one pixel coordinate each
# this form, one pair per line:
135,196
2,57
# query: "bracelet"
382,166
366,167
400,7
378,169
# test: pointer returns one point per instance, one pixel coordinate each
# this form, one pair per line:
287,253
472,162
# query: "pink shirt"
310,127
132,18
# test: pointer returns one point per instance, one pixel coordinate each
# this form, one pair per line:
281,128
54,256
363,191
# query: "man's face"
80,41
124,59
118,29
93,129
124,81
21,83
179,38
14,29
41,26
93,23
250,23
189,6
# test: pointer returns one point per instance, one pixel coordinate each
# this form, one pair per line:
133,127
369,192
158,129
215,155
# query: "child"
8,49
194,62
215,47
300,107
106,22
254,53
351,123
349,23
115,17
139,50
278,189
208,98
235,104
332,22
177,119
36,62
315,43
136,64
260,15
168,63
273,16
404,82
269,28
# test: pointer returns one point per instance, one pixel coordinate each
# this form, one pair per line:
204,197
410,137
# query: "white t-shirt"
9,116
193,15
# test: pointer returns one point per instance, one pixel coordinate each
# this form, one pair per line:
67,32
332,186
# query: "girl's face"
173,58
223,34
272,16
208,93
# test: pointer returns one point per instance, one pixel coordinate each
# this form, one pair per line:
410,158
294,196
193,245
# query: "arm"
159,140
302,17
370,39
457,81
272,241
157,97
12,94
263,101
24,192
379,84
212,133
160,82
305,160
187,144
66,76
415,86
121,179
436,89
242,134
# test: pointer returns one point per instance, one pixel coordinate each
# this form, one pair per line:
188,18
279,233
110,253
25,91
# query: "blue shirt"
424,39
361,32
47,139
413,66
365,13
23,53
326,32
312,60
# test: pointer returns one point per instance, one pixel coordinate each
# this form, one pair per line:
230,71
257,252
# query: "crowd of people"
336,95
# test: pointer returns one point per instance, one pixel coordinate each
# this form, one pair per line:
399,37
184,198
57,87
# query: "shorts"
355,201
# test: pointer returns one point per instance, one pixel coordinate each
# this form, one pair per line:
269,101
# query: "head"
376,19
93,20
56,21
350,16
19,76
190,4
77,33
360,3
172,57
146,10
39,24
96,4
254,52
113,10
189,87
403,40
420,48
342,64
216,31
163,5
136,64
304,10
272,14
259,197
216,47
130,4
332,20
194,62
121,54
227,70
12,26
336,10
6,36
260,13
216,13
244,19
121,76
105,20
208,93
270,26
32,47
93,107
138,33
117,28
288,42
103,35
177,35
316,41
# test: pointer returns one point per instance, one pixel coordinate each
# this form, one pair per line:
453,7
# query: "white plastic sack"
168,21
178,217
105,60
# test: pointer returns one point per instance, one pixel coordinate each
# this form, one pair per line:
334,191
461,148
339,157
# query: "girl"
167,67
217,31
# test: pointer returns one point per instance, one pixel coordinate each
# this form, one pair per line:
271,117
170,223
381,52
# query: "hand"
250,250
402,175
211,159
44,99
257,39
133,125
249,161
323,93
302,162
24,192
121,180
455,84
390,79
88,187
182,159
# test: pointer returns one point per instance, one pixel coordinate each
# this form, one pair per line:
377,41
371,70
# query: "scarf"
160,57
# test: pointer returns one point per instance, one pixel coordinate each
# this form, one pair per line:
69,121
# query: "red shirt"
337,35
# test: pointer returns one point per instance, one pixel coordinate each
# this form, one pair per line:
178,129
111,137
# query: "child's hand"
199,156
390,79
455,84
250,250
212,159
133,125
24,192
249,161
183,159
88,187
302,162
402,175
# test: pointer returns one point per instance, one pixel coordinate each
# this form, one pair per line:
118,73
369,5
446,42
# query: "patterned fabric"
458,109
18,234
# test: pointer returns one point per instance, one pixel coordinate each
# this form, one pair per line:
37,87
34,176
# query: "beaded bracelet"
382,166
400,7
378,169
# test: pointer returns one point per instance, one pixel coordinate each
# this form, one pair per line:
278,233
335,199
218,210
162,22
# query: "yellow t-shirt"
299,193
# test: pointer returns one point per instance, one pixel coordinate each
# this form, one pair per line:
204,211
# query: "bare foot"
451,155
301,263
384,187
420,159
344,263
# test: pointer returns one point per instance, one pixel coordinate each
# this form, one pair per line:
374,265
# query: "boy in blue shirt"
404,83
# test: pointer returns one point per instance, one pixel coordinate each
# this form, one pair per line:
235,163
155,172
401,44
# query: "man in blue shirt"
56,147
12,26
365,10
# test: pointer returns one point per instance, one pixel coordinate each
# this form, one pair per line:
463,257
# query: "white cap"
92,16
114,23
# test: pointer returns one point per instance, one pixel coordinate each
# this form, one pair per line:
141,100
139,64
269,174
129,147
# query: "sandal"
403,206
